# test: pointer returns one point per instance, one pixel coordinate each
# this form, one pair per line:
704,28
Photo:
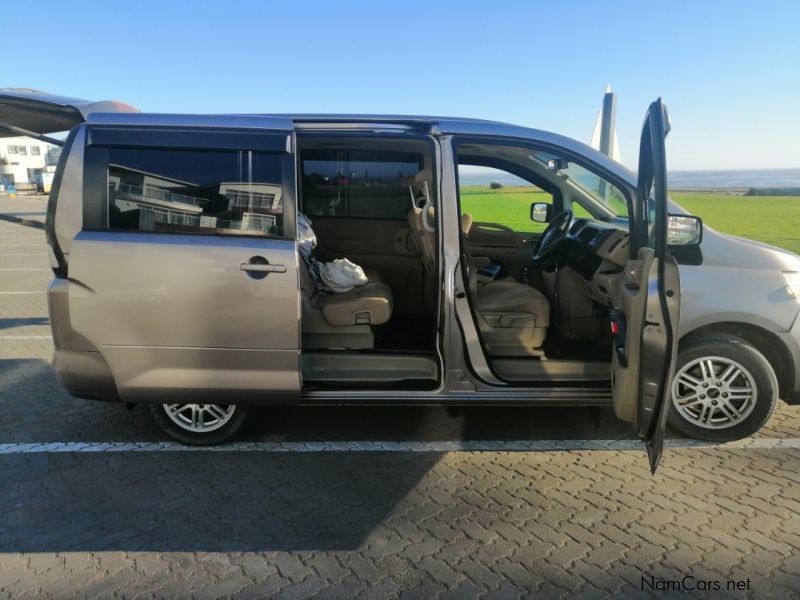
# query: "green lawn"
771,219
509,206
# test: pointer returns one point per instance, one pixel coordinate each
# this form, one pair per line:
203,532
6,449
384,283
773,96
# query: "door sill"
367,370
530,370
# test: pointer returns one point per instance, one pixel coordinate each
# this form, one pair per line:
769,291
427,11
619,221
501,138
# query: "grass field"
509,206
771,219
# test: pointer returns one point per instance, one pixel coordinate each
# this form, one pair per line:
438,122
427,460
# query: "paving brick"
369,525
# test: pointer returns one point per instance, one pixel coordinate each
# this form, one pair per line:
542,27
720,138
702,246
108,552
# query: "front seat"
342,320
512,317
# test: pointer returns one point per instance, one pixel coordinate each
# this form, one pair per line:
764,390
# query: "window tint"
352,183
195,191
496,196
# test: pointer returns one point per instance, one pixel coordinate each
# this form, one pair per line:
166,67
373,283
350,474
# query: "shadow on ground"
191,502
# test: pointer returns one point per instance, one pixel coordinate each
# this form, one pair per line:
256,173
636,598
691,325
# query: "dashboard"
598,252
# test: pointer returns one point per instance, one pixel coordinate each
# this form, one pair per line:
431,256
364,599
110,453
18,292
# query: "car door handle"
260,268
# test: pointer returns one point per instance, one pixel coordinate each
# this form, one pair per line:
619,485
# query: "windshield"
591,184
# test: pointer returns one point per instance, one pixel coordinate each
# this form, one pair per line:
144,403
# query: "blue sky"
729,71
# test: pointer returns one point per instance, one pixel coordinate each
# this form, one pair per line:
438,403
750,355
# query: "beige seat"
342,320
425,239
422,184
512,317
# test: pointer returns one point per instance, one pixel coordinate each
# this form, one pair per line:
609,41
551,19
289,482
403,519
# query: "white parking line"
25,269
26,337
23,254
386,446
25,293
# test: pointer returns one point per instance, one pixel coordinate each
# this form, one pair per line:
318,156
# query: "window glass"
195,191
355,183
590,184
495,196
35,151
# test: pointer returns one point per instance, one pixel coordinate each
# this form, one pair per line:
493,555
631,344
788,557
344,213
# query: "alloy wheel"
714,392
200,418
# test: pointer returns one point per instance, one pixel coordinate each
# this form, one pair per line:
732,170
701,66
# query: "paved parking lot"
349,502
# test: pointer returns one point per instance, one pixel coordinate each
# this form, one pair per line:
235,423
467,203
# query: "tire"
214,428
710,399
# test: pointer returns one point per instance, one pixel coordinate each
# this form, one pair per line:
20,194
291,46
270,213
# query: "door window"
195,191
358,183
494,195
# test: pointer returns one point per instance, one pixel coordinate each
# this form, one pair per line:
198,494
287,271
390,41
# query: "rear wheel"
201,424
723,389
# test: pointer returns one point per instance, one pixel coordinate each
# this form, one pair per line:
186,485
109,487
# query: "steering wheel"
552,236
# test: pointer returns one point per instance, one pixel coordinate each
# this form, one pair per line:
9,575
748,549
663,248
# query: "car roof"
444,125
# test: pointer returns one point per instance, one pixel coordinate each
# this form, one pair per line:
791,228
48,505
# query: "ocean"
686,180
766,178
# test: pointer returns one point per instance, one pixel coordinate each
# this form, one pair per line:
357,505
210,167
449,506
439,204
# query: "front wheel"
201,424
724,389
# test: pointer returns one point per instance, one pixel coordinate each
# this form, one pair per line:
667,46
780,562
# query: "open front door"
646,339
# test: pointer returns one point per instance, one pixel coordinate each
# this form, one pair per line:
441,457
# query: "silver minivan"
178,280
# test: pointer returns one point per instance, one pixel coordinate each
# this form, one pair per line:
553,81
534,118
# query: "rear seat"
369,304
342,320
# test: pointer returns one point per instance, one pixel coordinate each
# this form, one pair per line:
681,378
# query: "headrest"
466,223
418,180
424,175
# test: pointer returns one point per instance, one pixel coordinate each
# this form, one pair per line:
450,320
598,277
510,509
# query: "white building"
22,157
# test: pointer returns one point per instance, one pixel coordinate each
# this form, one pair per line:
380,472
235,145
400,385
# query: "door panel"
178,315
494,240
646,345
501,244
383,244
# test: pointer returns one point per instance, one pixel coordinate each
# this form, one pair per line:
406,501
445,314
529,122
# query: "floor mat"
412,333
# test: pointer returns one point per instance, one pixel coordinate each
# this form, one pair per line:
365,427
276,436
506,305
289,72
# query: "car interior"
573,257
355,192
541,291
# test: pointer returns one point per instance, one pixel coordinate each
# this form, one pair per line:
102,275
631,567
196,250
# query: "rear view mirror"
557,164
541,212
684,230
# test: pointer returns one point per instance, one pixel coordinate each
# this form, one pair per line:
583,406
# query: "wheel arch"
765,341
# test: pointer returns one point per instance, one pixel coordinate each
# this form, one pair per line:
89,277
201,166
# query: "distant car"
178,282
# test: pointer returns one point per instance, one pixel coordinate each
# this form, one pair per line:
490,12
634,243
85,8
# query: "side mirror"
541,212
684,230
